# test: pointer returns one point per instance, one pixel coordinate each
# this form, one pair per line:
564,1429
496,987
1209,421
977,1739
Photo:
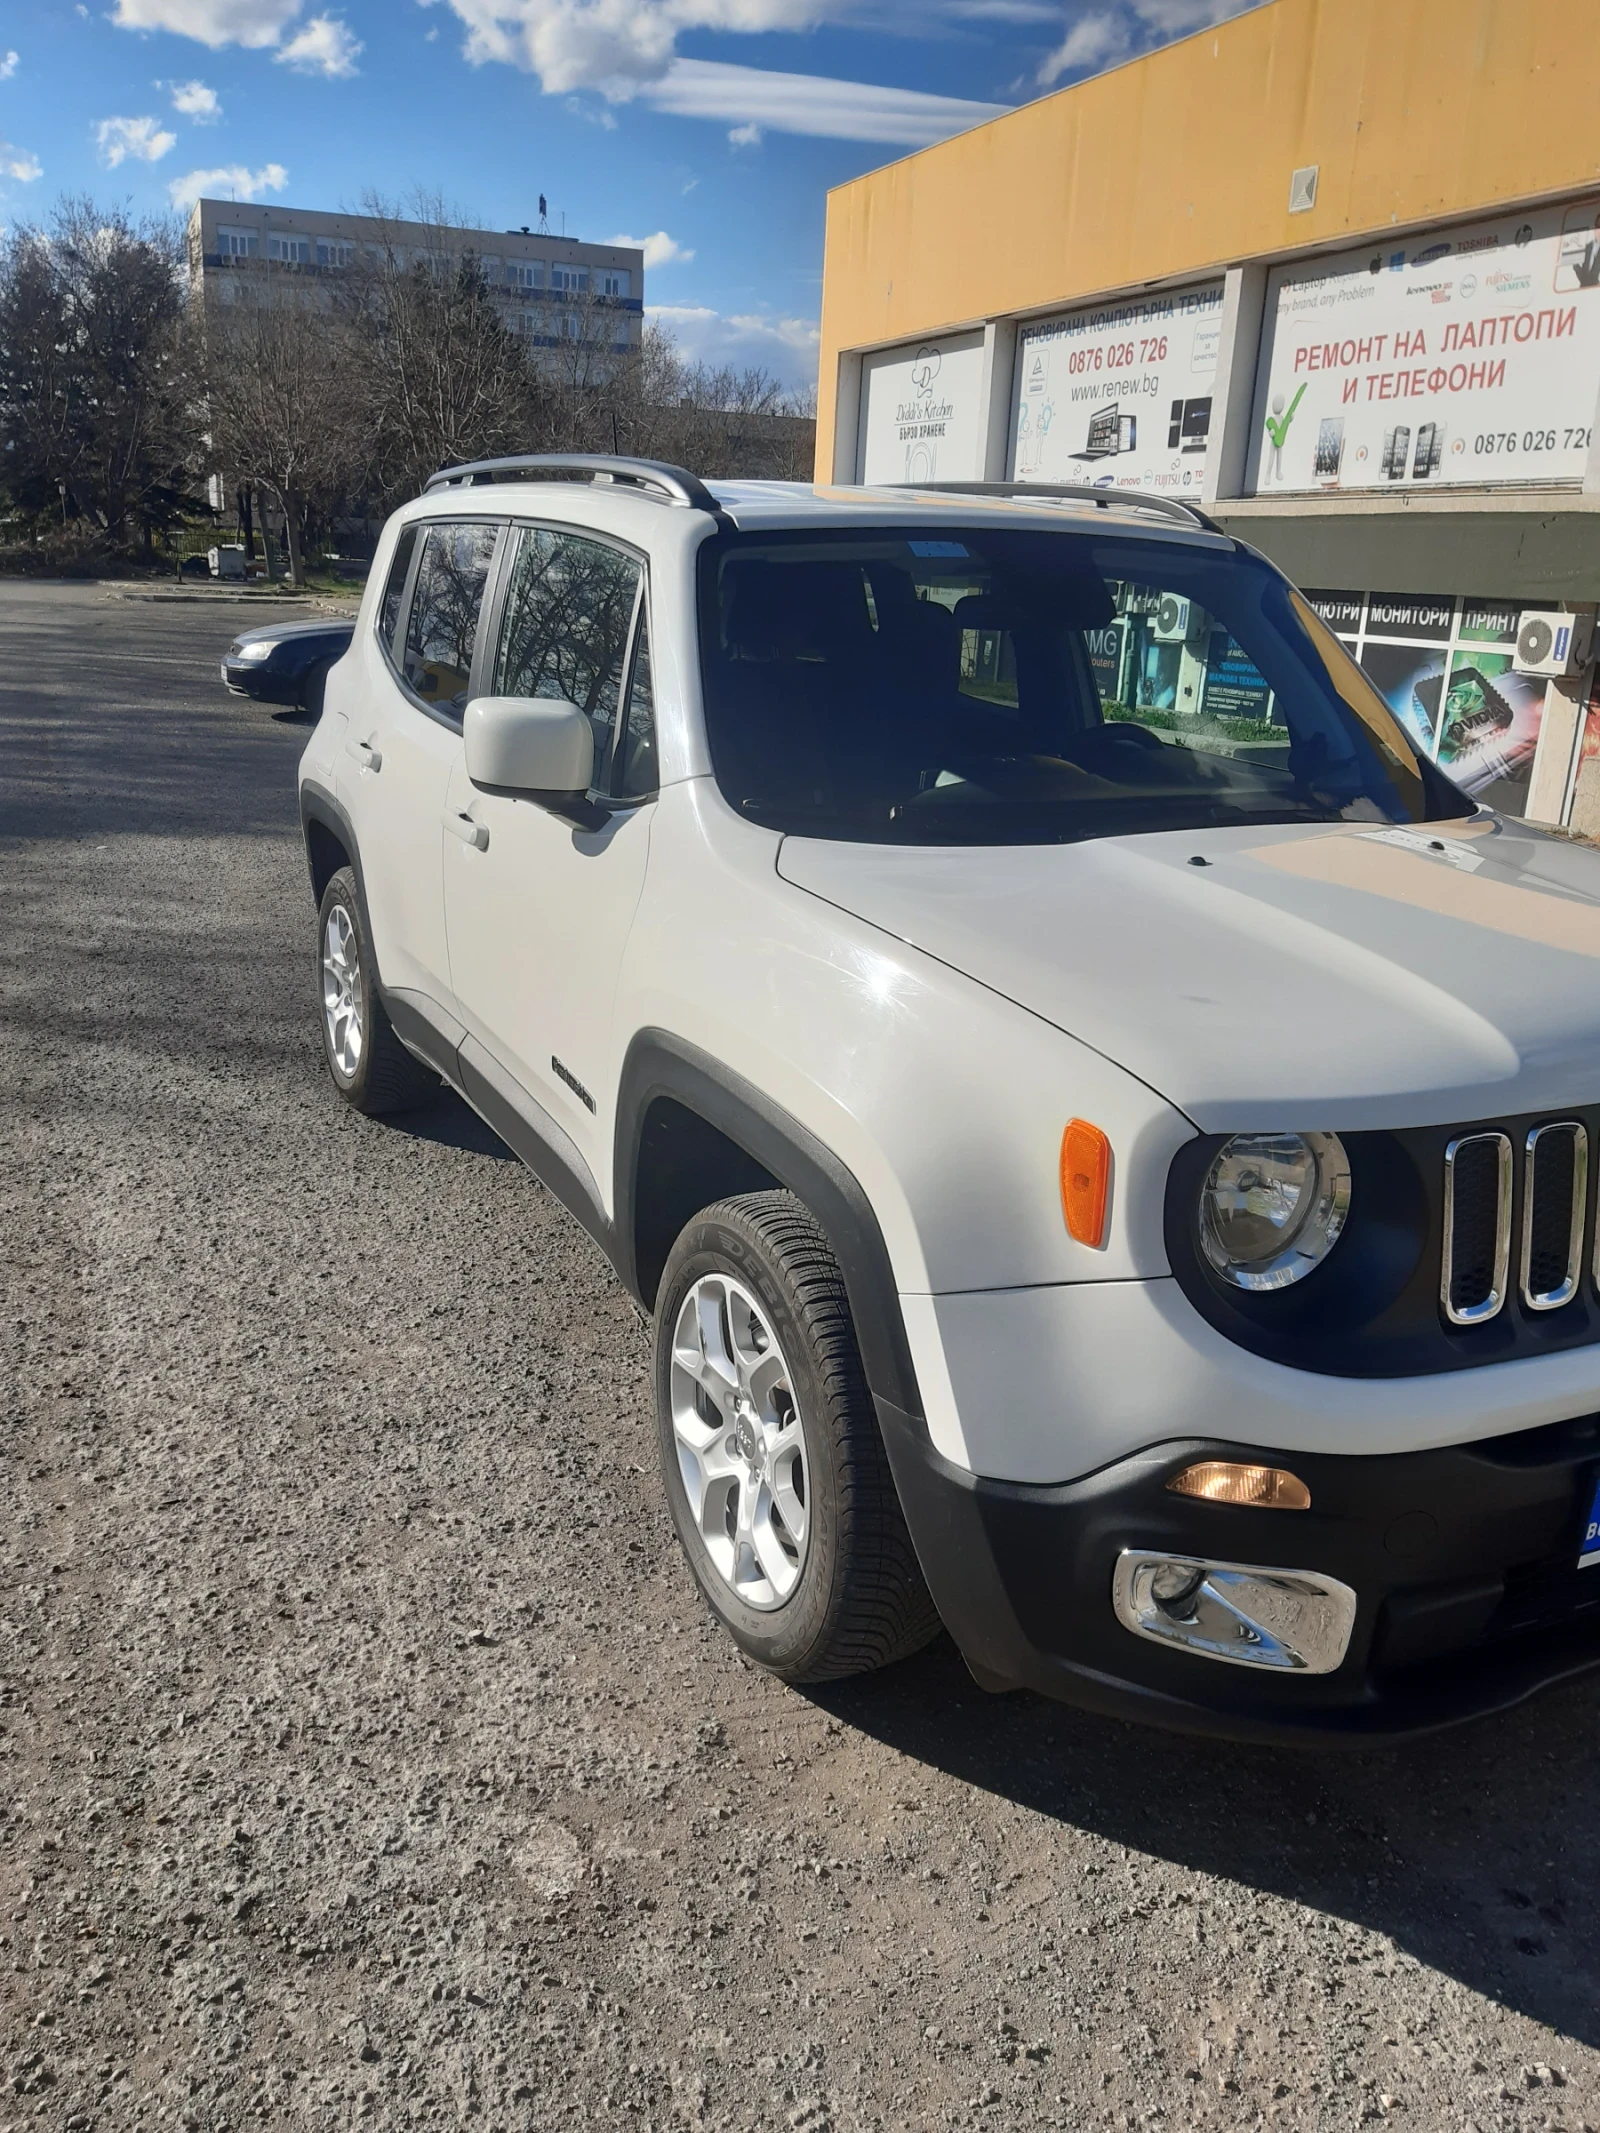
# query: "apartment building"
551,289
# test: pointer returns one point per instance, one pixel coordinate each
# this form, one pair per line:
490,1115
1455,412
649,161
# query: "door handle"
366,755
474,833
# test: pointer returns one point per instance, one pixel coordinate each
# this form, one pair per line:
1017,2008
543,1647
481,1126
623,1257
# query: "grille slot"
1477,1228
1555,1192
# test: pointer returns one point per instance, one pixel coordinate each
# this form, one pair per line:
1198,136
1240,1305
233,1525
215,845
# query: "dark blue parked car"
287,662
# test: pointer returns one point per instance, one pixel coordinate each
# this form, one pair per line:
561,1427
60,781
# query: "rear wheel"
371,1068
774,1467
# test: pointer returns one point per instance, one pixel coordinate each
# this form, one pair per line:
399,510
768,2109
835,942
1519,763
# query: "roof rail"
674,485
1076,493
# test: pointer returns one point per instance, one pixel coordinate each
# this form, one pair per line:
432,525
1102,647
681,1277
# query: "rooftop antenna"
544,216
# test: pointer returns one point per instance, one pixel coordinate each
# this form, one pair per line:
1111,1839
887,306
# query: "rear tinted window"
1007,685
445,609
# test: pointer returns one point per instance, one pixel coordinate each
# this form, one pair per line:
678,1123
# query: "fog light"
1269,1488
1296,1621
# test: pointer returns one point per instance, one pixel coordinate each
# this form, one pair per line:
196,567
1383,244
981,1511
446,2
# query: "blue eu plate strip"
1589,1553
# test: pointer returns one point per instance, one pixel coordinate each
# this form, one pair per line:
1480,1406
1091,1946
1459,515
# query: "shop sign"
1118,396
1234,686
1467,358
921,412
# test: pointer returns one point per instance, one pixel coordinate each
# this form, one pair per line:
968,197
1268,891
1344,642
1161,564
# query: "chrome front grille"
1555,1192
1477,1227
1479,1195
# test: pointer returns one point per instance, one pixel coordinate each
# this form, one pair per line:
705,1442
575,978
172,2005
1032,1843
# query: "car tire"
371,1068
774,1467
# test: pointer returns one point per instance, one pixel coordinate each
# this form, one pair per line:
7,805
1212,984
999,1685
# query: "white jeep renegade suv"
1100,1123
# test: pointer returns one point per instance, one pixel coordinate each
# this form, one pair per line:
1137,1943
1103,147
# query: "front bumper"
250,677
1463,1560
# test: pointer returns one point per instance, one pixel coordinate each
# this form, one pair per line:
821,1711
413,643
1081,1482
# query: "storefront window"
1444,667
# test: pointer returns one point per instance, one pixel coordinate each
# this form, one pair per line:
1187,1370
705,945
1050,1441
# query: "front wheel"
371,1068
774,1467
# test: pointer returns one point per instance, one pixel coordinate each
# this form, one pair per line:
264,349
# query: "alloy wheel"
740,1441
341,991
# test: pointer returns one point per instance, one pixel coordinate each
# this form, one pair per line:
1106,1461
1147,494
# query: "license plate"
1589,1553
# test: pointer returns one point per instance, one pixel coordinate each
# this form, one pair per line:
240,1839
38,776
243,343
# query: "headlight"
255,651
1273,1206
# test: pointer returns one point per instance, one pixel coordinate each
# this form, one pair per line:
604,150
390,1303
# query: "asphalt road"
366,1758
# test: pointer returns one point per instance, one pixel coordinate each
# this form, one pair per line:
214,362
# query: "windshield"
1014,686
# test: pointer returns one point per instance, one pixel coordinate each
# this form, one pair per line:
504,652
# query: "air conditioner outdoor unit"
1171,622
1552,644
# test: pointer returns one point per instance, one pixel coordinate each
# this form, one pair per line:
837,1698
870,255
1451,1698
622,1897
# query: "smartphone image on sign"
1396,451
1330,448
1430,450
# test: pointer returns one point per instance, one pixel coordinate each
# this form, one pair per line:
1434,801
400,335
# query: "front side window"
569,611
443,628
1019,686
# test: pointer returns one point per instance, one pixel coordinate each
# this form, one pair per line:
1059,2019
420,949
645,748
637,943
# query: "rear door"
408,745
539,916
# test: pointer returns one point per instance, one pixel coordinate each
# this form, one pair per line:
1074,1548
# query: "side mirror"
538,745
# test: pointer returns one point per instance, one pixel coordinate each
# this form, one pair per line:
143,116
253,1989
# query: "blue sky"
710,128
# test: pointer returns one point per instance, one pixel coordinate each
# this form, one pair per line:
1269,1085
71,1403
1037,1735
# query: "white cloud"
659,250
1104,35
626,48
788,347
747,136
9,62
196,102
255,23
325,46
141,138
1092,41
813,104
19,163
231,181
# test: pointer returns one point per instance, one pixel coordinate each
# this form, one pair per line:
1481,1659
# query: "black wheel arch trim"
318,805
661,1066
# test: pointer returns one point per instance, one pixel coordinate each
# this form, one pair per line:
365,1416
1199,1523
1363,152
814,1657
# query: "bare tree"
442,376
284,401
721,421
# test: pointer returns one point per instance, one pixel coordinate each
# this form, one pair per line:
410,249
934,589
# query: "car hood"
1301,978
282,632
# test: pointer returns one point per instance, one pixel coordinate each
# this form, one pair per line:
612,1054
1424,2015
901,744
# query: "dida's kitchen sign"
1469,356
920,410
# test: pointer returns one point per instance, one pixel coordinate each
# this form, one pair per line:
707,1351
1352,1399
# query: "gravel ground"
366,1758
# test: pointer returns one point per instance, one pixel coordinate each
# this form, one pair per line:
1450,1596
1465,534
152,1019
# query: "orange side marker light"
1085,1181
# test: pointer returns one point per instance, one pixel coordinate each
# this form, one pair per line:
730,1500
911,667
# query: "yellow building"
1330,271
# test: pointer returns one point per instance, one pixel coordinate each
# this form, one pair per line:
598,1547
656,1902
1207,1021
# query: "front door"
406,744
538,918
